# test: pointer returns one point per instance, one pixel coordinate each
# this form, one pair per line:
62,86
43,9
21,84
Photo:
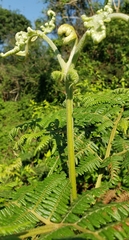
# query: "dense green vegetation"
35,191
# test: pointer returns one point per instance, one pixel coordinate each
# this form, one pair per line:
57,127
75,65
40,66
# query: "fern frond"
124,91
110,220
84,116
57,117
89,163
120,144
54,164
28,138
65,231
23,127
83,146
44,202
47,203
13,223
44,141
114,97
35,134
114,165
106,124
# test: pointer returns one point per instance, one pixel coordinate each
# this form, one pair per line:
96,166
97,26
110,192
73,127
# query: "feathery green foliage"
96,149
42,211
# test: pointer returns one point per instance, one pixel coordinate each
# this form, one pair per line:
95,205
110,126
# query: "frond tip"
23,39
69,33
49,26
95,24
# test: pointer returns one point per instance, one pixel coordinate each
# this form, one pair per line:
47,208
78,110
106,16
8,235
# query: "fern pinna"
42,211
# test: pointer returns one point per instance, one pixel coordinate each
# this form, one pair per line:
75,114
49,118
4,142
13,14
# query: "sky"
31,9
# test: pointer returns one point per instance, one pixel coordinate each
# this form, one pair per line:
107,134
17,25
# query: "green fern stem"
113,132
53,227
70,139
98,182
79,48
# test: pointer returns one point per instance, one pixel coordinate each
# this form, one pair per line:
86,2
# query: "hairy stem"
79,47
53,47
121,16
72,55
70,140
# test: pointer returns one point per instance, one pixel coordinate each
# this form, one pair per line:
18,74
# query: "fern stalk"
53,227
70,139
113,132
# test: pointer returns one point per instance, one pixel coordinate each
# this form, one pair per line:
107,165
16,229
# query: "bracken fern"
42,211
101,136
51,208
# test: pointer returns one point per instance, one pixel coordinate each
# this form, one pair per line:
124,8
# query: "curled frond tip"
69,33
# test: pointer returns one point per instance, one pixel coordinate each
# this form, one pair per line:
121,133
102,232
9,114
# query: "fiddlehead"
49,26
95,24
23,39
57,75
68,32
69,35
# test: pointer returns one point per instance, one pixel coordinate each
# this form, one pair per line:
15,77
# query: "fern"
23,216
36,131
113,165
43,210
88,164
44,138
51,208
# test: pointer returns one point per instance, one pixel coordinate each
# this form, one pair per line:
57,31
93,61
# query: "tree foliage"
71,11
105,66
11,23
